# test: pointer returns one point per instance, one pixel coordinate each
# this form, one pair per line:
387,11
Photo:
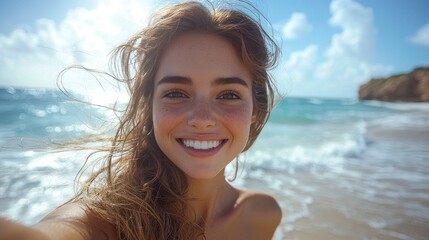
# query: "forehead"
201,56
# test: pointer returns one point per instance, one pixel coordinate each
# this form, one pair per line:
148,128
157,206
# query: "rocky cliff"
410,87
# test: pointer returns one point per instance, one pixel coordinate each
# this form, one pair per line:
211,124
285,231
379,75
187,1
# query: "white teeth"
201,145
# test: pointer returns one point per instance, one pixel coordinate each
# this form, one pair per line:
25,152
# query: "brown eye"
175,94
229,96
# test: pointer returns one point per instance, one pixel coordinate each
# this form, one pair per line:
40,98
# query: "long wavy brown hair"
138,189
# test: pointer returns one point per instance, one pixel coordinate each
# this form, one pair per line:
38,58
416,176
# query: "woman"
200,95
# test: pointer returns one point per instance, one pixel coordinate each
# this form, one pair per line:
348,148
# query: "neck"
209,198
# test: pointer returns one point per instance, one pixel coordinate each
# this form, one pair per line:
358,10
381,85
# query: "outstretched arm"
13,231
68,222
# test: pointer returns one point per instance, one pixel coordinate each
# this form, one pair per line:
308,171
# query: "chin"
203,175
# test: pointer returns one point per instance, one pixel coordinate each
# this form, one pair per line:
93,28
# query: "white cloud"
357,39
347,61
297,26
295,72
300,63
33,56
348,57
421,36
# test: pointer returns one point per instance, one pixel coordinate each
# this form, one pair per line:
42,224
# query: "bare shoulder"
77,222
259,202
262,212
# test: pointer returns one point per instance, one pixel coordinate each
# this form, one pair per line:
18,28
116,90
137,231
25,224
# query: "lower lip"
201,153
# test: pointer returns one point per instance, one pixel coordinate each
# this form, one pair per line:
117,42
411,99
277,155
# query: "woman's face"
202,106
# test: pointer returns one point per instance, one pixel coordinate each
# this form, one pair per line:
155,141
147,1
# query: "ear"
254,116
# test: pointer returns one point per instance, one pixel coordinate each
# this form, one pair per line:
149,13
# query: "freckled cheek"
240,117
165,117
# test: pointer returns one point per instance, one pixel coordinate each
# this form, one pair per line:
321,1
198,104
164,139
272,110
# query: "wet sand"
383,194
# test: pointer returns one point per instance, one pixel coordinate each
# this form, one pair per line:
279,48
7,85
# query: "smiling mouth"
201,145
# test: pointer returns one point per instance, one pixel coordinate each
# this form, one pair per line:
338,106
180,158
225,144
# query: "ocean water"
339,168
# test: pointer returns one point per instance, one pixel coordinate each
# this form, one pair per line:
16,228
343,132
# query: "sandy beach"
366,198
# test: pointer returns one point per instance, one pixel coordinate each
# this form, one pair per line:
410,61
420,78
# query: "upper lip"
202,138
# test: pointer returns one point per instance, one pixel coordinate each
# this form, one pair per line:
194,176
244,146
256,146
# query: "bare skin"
71,221
235,214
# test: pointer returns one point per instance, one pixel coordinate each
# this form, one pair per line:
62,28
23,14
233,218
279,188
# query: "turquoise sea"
340,168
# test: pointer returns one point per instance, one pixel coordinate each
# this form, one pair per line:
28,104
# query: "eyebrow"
175,79
230,80
218,81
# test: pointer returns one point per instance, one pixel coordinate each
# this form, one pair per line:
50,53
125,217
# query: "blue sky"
329,47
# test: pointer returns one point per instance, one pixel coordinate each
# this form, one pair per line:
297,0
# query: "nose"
201,115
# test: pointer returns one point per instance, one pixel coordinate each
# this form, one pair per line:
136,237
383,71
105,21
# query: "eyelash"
174,93
177,93
235,96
